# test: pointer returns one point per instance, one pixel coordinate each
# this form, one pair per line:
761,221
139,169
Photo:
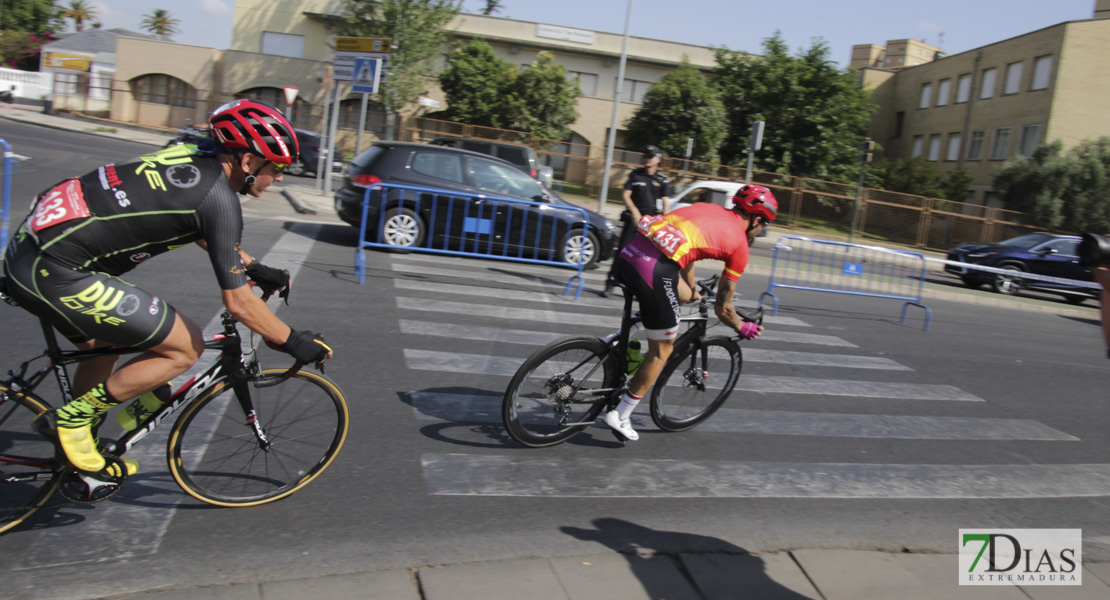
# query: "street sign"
363,45
345,64
291,94
367,73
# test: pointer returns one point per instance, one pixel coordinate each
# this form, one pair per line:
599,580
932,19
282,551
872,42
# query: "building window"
975,148
944,90
963,88
1001,147
899,122
926,95
1013,78
1042,69
986,90
954,140
587,82
282,44
1030,138
934,147
164,89
633,91
918,146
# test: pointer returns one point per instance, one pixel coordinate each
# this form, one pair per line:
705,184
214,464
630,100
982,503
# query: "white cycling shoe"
621,426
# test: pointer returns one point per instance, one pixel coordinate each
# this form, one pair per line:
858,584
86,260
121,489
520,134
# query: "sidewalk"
795,575
828,574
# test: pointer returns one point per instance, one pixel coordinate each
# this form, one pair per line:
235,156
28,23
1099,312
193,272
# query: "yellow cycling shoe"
80,447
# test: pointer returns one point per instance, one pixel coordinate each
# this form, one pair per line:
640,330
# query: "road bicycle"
245,436
562,388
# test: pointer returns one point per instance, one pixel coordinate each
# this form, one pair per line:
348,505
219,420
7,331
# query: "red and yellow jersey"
700,231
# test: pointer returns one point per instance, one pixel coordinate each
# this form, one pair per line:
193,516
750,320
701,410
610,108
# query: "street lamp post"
616,108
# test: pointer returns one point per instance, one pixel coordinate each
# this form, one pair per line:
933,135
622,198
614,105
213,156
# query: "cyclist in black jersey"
64,263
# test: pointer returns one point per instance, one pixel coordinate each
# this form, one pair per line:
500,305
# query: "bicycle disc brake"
86,488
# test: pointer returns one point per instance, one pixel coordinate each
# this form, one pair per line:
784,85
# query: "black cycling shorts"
85,305
653,279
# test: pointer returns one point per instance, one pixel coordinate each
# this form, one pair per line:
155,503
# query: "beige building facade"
977,109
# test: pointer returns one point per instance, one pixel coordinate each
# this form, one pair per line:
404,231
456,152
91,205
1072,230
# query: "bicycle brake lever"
319,366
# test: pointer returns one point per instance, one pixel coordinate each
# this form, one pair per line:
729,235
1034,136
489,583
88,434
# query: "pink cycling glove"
748,330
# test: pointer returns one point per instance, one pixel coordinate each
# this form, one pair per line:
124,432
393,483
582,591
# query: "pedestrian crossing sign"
366,76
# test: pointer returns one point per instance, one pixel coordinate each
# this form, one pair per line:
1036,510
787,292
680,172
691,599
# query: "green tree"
680,106
417,28
816,114
477,85
78,11
1069,191
160,23
919,177
492,6
31,16
544,100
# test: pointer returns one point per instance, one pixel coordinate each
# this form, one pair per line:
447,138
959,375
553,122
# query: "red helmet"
756,200
256,127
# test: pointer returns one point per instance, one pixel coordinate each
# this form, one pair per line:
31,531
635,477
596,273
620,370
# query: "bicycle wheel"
217,455
558,391
695,382
27,467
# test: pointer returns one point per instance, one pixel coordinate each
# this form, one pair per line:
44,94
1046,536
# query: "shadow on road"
717,568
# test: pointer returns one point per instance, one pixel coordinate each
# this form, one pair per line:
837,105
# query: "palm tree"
78,11
492,6
160,23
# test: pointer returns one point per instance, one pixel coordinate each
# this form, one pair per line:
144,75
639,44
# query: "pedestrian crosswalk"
511,310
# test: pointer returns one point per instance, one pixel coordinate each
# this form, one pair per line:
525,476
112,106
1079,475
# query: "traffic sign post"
348,49
366,75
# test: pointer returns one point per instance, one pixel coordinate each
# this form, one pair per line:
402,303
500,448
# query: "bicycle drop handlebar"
709,292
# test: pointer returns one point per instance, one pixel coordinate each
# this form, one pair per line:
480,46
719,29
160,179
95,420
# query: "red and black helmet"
756,200
256,127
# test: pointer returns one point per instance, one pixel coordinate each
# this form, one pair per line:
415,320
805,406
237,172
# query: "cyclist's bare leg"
75,421
658,353
92,371
180,350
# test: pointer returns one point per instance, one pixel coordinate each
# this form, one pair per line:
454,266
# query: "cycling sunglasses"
278,168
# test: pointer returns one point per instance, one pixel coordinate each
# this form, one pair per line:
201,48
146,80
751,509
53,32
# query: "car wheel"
578,248
402,228
296,168
1075,299
1007,284
971,282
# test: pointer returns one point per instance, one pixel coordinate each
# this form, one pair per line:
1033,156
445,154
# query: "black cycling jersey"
119,215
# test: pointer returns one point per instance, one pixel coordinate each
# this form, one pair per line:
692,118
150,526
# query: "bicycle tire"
214,453
530,410
28,463
686,392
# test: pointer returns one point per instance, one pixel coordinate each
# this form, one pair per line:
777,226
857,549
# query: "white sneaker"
622,426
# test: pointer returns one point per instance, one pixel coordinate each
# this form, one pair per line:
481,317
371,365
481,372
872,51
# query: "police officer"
644,187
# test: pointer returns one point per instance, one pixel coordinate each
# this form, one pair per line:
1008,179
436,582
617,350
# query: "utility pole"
866,150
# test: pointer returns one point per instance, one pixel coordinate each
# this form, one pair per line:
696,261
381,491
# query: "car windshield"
1026,241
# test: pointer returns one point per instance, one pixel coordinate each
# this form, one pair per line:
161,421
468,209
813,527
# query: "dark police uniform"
646,190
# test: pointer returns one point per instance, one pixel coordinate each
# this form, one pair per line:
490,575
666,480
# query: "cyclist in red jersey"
65,261
657,266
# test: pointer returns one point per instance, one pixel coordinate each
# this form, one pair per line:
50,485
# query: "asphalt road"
848,429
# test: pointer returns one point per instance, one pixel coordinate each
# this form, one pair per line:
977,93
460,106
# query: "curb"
297,204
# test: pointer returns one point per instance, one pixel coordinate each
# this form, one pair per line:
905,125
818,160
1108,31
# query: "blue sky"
736,24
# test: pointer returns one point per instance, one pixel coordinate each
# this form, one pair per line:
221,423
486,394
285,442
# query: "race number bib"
665,236
63,203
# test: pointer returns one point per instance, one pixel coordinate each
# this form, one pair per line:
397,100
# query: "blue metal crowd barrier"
5,210
841,268
466,225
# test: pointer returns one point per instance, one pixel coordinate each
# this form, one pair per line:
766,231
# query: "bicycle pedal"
620,436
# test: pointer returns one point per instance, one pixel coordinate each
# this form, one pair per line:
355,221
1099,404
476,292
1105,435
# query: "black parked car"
467,177
1038,253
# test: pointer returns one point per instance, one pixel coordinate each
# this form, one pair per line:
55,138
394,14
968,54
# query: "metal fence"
444,222
6,203
854,269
